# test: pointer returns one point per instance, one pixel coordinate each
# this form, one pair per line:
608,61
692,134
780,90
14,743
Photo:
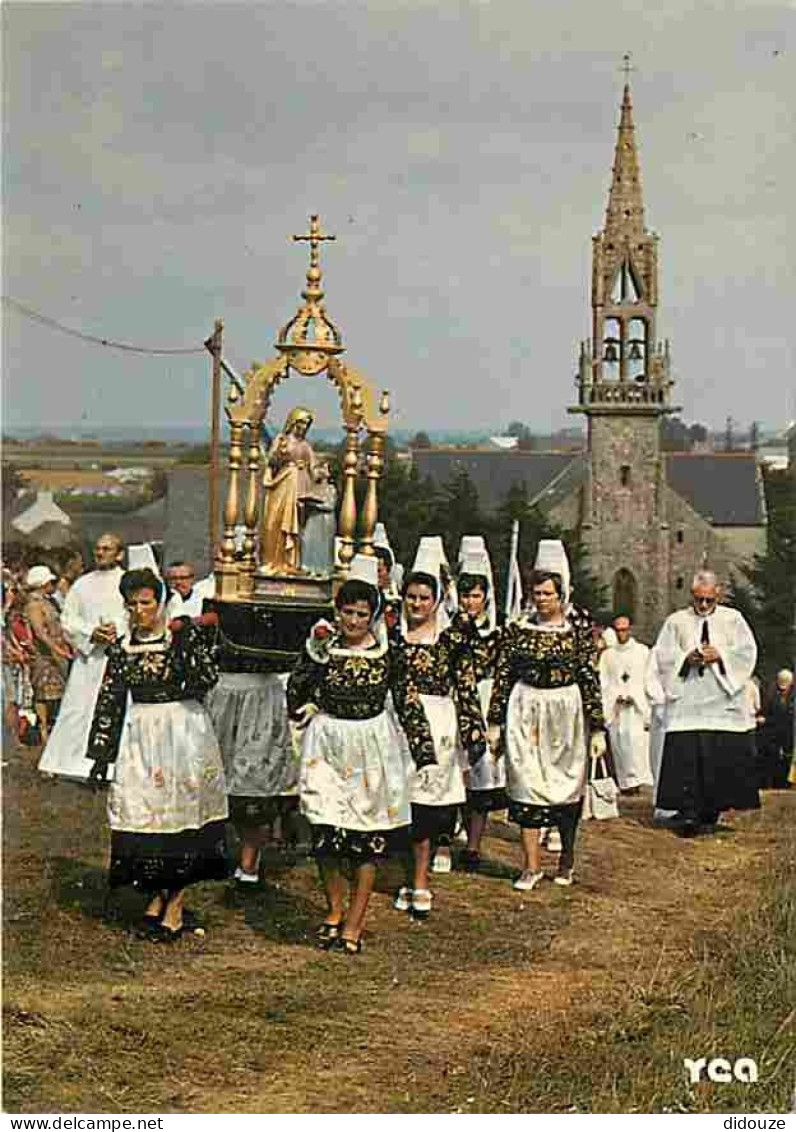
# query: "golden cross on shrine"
314,237
627,66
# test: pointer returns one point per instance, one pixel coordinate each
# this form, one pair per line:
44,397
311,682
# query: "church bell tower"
624,389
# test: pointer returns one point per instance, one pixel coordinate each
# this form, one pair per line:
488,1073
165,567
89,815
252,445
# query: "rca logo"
721,1071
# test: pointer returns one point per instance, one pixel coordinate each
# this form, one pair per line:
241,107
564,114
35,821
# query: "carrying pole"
213,344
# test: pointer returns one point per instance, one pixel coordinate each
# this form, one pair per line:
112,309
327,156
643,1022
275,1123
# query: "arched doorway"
625,594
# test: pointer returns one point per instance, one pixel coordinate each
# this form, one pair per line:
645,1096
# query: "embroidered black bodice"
179,666
545,658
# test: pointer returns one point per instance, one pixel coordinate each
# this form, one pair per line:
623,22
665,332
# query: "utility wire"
36,316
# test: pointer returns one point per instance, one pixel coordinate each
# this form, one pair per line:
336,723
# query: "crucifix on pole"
314,237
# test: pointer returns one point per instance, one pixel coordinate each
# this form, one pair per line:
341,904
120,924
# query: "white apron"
489,773
443,784
545,745
354,773
169,775
249,713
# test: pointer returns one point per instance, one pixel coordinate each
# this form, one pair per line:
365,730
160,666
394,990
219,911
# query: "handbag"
600,799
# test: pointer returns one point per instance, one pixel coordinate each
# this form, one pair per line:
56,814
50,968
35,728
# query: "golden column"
377,436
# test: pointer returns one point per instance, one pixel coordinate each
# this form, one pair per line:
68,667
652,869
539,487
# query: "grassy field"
575,1000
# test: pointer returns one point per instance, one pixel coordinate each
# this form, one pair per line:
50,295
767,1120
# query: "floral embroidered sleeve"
196,659
409,708
504,677
587,678
472,728
304,684
106,727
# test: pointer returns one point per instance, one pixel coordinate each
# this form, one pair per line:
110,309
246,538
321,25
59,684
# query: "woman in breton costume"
486,786
439,667
388,585
167,804
354,781
545,701
261,759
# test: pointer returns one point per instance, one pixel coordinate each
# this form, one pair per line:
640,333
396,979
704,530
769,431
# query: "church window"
625,593
680,582
680,536
624,475
626,287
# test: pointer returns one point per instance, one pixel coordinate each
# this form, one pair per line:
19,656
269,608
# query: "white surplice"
622,669
93,598
716,700
657,701
191,606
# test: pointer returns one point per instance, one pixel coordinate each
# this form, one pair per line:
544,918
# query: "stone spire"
624,218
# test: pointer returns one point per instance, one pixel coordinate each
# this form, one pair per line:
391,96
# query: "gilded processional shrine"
296,544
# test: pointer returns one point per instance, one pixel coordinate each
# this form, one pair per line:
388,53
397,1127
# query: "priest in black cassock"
705,655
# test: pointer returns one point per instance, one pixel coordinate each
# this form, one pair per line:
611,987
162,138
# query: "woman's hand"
597,745
320,641
305,715
494,737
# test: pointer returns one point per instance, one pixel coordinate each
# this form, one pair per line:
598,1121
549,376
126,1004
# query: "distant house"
42,512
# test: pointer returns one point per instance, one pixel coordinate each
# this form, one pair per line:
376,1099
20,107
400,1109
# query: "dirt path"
254,1019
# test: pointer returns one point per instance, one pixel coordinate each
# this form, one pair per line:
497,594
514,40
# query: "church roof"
724,487
547,476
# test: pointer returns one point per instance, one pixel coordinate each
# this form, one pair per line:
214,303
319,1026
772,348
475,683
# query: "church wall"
624,531
567,513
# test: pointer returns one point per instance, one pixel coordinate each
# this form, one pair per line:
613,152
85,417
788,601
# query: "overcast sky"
157,158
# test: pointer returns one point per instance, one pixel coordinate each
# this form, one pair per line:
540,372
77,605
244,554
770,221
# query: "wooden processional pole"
213,344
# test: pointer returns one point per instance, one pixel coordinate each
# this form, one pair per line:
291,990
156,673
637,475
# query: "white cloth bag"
600,799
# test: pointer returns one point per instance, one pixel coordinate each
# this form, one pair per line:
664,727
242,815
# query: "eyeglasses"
180,577
705,601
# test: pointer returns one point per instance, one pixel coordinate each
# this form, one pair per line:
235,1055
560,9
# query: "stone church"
648,518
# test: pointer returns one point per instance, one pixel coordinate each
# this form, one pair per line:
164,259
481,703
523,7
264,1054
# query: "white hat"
39,576
364,568
380,536
551,557
141,556
429,559
471,544
430,556
474,559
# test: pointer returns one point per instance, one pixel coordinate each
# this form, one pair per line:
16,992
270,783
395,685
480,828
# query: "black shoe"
160,933
470,860
328,935
348,946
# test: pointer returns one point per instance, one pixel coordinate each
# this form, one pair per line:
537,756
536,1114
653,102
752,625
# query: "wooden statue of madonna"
288,482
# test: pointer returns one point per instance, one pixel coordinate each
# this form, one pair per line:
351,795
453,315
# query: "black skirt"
152,861
434,822
528,815
485,801
247,812
705,772
357,846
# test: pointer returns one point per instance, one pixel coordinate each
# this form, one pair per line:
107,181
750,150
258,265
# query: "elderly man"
626,707
93,617
705,655
187,594
776,732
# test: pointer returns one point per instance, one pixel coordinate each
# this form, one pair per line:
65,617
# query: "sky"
157,158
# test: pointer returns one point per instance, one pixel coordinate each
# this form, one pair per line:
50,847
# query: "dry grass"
584,1000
